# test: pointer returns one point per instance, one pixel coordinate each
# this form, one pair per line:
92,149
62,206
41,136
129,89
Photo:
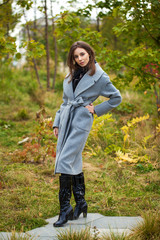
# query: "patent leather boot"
66,210
79,192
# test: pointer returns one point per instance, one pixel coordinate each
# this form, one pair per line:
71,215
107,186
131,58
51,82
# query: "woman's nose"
80,58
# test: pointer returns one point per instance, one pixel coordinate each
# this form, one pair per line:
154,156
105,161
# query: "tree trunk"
97,18
157,99
33,59
55,50
47,45
98,28
35,21
7,34
115,42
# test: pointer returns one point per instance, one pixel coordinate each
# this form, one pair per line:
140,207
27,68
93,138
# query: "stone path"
96,222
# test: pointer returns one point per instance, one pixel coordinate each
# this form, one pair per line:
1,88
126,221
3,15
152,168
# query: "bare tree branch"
151,35
4,3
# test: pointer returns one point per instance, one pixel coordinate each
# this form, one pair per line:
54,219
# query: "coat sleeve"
108,90
57,117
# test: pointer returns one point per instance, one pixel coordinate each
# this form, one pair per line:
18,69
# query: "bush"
21,115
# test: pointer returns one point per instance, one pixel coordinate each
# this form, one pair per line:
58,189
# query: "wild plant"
130,127
39,145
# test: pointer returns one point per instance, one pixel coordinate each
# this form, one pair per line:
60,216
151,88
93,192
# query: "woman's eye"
82,54
75,56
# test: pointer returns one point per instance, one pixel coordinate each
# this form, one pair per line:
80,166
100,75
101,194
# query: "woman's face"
81,57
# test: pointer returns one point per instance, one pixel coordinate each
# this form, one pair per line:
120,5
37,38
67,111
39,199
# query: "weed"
75,235
40,144
114,236
149,228
126,108
37,95
17,236
21,115
144,168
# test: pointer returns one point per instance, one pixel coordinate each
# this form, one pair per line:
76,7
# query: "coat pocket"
82,119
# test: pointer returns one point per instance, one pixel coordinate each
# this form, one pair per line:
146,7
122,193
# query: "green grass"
29,192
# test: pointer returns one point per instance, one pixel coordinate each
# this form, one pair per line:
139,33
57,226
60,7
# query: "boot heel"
85,212
70,216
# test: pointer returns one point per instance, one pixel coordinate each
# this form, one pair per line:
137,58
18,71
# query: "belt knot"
76,102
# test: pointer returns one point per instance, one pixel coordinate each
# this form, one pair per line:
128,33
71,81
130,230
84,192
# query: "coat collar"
86,82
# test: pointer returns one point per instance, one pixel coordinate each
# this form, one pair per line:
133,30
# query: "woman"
84,84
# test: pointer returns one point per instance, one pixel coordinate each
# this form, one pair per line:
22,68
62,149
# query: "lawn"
115,186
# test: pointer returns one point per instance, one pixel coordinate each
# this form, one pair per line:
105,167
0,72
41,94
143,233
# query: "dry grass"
149,229
70,234
17,236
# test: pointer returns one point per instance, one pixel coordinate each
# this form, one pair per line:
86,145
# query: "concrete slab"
115,222
95,221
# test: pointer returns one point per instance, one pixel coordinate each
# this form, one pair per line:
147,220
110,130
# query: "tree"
55,46
8,20
140,23
47,44
30,48
69,24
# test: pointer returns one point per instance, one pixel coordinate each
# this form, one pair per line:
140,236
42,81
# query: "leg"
66,210
79,192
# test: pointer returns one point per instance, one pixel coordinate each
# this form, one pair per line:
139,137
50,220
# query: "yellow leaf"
124,157
126,137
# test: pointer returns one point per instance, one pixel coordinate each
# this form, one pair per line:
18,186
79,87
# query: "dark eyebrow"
80,53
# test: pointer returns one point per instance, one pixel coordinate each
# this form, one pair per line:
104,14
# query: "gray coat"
75,121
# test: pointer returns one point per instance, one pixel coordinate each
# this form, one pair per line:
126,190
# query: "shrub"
21,115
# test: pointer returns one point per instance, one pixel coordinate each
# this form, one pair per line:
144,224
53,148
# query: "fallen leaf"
51,180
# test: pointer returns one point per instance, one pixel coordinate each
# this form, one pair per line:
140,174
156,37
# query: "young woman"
85,82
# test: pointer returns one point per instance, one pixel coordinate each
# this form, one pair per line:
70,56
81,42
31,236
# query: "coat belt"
76,102
65,122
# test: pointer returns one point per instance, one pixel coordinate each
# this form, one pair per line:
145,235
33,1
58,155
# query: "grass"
17,236
149,229
29,192
75,235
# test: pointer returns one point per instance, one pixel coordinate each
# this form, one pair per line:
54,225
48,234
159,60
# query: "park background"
121,158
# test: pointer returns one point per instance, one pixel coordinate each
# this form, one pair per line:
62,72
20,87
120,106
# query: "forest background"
122,154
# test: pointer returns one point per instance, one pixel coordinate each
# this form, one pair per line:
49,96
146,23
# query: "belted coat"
75,121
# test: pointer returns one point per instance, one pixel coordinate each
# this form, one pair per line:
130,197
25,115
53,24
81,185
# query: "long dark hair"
73,65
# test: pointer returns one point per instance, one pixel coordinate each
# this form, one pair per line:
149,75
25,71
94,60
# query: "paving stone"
95,221
116,222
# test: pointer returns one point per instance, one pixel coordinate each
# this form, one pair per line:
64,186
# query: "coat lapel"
87,81
68,89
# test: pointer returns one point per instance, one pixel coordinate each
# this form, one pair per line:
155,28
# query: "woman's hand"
90,108
55,131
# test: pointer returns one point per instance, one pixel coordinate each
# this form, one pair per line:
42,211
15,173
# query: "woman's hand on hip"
90,108
55,131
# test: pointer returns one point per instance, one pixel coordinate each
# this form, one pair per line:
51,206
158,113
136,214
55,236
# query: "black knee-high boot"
79,192
66,210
